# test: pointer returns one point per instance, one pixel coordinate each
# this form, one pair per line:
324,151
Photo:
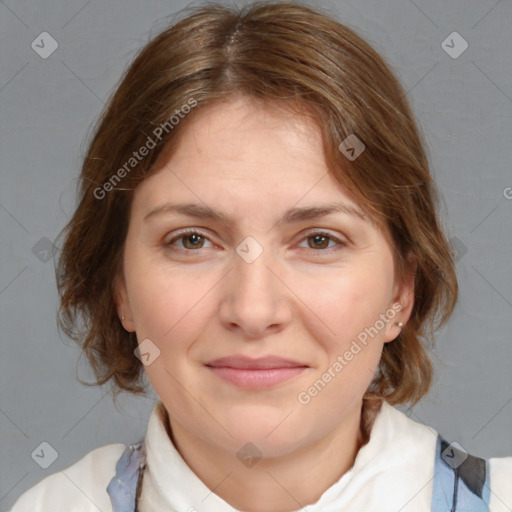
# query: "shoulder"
79,487
500,473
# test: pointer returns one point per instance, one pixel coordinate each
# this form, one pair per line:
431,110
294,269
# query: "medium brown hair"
299,57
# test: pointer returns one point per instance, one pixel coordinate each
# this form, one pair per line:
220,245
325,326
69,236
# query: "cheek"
351,307
354,301
156,291
169,306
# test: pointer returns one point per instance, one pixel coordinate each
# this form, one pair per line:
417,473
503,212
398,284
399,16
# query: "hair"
298,58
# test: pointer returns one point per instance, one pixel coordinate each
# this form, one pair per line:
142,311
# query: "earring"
400,325
122,312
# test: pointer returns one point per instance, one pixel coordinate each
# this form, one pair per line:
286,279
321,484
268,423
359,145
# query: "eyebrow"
292,215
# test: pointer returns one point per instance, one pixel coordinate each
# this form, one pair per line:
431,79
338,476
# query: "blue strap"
123,487
461,481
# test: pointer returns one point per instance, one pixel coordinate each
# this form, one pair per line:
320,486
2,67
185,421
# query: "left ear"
124,310
403,299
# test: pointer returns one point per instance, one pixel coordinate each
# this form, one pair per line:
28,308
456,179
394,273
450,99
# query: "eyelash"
192,231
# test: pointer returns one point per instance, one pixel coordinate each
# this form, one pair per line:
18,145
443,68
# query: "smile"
255,379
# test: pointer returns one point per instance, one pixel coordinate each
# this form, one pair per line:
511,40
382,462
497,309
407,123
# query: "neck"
277,483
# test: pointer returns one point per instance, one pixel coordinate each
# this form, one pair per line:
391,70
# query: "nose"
255,301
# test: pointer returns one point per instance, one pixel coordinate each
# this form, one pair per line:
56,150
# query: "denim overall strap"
461,481
123,487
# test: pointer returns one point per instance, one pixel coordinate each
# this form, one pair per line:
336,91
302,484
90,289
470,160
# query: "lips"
247,363
255,374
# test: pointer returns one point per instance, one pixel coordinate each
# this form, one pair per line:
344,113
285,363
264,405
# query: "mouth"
261,373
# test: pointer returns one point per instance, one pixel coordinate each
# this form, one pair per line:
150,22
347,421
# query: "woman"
257,234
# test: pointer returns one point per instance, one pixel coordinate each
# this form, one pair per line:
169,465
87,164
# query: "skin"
303,298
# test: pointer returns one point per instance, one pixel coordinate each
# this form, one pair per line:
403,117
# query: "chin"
273,433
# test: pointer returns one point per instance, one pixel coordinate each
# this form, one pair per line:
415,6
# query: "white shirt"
392,472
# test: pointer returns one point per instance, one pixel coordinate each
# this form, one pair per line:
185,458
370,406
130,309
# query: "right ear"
122,302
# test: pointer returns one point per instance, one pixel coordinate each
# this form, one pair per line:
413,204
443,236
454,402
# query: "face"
284,293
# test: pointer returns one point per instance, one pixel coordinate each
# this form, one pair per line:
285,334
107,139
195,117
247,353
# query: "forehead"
245,147
251,132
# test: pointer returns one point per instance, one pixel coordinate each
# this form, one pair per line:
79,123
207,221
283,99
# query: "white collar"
392,471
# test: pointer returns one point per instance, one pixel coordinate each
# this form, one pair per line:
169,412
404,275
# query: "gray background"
464,106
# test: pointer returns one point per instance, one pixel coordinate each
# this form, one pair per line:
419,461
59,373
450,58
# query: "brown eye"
194,239
319,241
191,240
